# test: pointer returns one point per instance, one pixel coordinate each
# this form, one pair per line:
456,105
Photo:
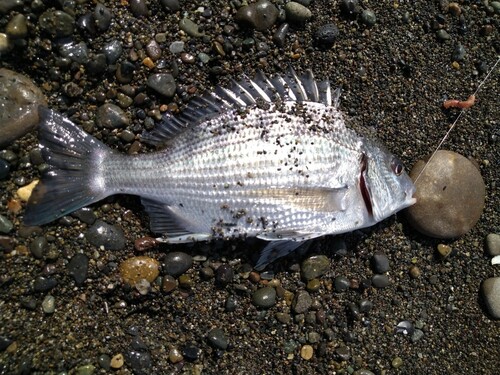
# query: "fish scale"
270,158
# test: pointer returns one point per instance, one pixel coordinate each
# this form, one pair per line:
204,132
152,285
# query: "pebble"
279,37
301,302
77,52
176,263
86,215
17,27
186,281
175,356
104,361
191,353
111,237
416,335
231,303
4,169
224,275
24,193
264,297
350,8
78,268
139,8
168,284
380,263
442,35
112,50
38,247
7,5
297,13
57,23
153,50
314,267
176,47
85,370
341,284
490,289
415,272
380,281
5,225
326,35
162,83
49,304
5,43
217,339
368,17
102,17
397,362
111,116
306,352
117,361
259,16
125,72
458,53
313,285
172,5
145,243
44,284
19,100
190,28
444,250
493,244
134,269
450,196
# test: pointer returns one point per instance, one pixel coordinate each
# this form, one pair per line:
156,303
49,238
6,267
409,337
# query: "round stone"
326,35
301,302
19,101
224,275
297,13
44,284
217,339
49,304
368,17
111,116
306,352
175,356
162,83
135,269
490,289
111,237
314,267
190,28
57,23
380,263
102,17
17,27
78,267
259,16
5,225
264,297
380,281
450,196
117,361
493,244
341,284
176,263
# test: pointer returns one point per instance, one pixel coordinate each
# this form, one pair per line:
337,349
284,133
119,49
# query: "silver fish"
267,157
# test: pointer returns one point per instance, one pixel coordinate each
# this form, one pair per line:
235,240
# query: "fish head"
385,186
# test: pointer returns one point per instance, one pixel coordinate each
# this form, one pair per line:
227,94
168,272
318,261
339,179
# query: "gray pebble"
380,281
190,28
301,302
176,47
139,8
111,237
112,51
365,305
5,225
493,244
380,263
279,37
176,263
57,23
104,361
363,371
162,83
4,169
4,343
111,116
138,360
153,50
297,13
259,16
490,290
17,27
416,335
231,304
350,8
224,275
7,5
125,72
97,64
326,35
102,17
368,17
314,267
75,52
49,304
44,284
496,6
19,100
85,215
172,5
442,35
38,247
341,284
78,267
313,337
217,339
264,297
458,53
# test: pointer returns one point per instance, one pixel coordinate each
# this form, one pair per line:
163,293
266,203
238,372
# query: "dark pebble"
38,247
342,353
28,303
224,275
139,361
368,17
279,37
102,17
259,16
458,53
78,268
365,305
4,343
125,72
191,353
301,302
168,284
44,284
314,267
176,263
490,290
107,235
380,263
104,361
77,52
350,8
264,297
139,8
217,339
57,23
341,284
112,51
380,281
405,327
326,35
97,64
111,116
162,83
231,303
172,5
85,215
207,273
442,35
4,169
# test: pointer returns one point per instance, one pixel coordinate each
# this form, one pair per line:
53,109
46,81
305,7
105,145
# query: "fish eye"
397,166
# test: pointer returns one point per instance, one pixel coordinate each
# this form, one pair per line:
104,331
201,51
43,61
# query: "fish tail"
73,179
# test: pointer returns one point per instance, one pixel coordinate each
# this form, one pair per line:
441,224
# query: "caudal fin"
72,180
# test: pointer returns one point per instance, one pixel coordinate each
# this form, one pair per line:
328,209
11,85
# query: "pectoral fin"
278,249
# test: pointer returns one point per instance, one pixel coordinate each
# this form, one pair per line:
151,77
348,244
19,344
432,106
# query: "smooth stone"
442,35
231,304
7,5
224,275
102,17
217,339
326,35
368,17
111,116
125,72
134,269
191,353
176,263
77,52
19,101
139,8
176,47
17,27
5,43
297,13
341,284
4,343
259,16
301,302
279,37
190,28
450,196
314,267
365,305
458,53
38,247
493,244
104,361
171,5
306,352
380,263
350,8
112,51
5,225
44,284
85,370
57,23
4,169
162,83
86,215
490,290
175,356
380,281
111,237
264,297
78,268
49,304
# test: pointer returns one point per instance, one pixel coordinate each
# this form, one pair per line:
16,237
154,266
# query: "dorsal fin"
240,95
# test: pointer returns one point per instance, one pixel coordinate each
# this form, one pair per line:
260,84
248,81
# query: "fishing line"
462,112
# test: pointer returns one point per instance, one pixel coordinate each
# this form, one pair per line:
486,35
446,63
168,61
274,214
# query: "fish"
267,157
